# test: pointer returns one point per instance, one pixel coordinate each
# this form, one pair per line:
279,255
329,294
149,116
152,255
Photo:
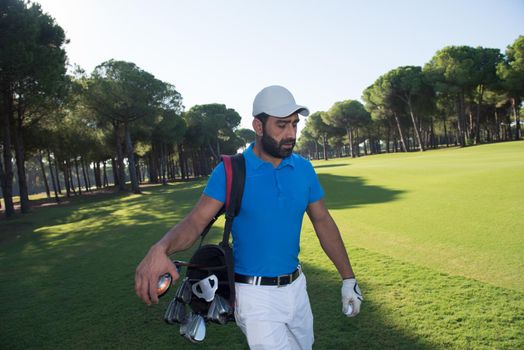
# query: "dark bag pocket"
215,260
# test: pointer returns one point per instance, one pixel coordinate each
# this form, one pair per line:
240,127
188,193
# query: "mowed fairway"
436,240
458,211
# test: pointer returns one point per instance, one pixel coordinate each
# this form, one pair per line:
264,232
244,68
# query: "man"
272,306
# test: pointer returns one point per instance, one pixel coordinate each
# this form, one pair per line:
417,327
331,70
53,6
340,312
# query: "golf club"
219,310
183,293
175,312
164,282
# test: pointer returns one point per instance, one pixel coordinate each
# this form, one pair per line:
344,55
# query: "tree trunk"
187,161
217,154
98,178
181,157
72,180
163,164
2,175
53,181
88,166
78,177
114,167
324,144
415,126
119,170
470,126
389,131
400,134
446,133
207,163
477,117
350,140
65,170
153,167
356,143
44,177
105,182
57,175
431,139
84,174
517,118
171,165
20,164
139,169
70,174
509,133
7,178
131,160
461,120
194,164
497,126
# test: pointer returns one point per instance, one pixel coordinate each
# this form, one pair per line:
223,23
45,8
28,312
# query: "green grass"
458,211
436,240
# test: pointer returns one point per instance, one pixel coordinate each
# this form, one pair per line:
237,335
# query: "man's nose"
291,132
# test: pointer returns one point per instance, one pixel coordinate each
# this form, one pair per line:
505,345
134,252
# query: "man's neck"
259,151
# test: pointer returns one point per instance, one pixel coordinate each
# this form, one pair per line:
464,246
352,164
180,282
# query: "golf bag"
217,259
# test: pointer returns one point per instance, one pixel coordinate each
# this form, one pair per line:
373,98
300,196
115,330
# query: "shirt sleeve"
216,185
316,192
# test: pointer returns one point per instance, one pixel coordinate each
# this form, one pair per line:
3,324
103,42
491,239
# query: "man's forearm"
333,245
180,237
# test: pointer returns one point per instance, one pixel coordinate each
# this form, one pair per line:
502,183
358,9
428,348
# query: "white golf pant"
275,318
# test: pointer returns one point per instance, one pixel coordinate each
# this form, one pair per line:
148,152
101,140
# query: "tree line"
69,132
116,125
463,96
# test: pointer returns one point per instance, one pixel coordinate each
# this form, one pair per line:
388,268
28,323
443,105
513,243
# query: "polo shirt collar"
255,162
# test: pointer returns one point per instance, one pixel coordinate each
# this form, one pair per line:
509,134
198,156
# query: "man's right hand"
155,264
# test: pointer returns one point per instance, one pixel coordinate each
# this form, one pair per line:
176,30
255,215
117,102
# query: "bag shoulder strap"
235,169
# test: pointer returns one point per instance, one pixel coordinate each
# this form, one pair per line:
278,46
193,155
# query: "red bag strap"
229,177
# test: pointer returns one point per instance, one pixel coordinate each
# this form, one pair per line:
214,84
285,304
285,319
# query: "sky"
322,51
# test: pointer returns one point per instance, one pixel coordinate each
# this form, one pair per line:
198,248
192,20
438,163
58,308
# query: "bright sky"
323,51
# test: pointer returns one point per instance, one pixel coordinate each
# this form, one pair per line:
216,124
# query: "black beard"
274,148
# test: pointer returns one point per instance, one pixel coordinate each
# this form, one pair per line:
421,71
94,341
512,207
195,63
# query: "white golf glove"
351,297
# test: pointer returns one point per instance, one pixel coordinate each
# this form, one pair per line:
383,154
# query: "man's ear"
258,127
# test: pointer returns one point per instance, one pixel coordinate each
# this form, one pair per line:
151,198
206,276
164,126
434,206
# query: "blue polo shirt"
266,233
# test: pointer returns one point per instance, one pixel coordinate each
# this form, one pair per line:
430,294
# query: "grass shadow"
351,191
369,330
330,165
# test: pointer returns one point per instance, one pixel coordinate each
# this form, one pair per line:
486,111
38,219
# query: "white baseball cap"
277,101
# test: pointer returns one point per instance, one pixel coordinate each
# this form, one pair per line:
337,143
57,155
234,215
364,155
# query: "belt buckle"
290,276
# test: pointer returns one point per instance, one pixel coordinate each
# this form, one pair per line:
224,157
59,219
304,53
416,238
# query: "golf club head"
196,329
193,328
183,325
219,310
183,292
175,312
169,310
163,284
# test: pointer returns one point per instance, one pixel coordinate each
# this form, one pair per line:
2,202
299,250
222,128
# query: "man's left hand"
351,297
